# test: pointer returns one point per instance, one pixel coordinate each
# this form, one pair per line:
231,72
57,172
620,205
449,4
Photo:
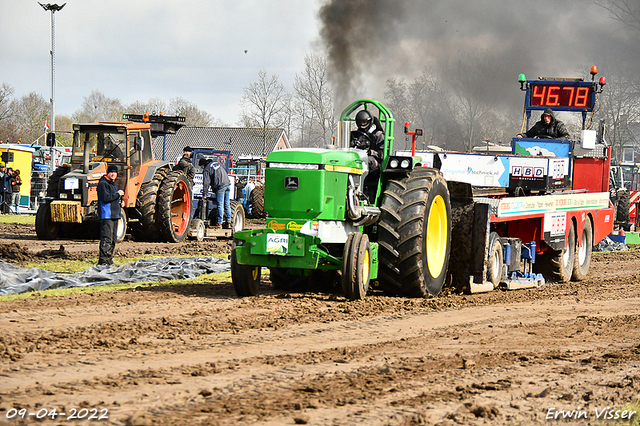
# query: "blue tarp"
14,280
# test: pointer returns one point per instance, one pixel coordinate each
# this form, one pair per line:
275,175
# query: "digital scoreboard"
561,95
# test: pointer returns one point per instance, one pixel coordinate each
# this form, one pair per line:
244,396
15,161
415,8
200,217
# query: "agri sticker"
277,243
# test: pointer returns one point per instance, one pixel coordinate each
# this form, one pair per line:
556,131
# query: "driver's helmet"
363,120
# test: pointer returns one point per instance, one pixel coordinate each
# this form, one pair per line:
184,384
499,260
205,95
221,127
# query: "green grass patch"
18,218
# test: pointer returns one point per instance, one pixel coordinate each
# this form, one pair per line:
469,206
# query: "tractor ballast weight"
329,221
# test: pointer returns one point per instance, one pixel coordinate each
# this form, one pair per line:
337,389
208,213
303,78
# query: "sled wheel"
245,278
557,266
494,260
197,229
582,259
46,229
237,216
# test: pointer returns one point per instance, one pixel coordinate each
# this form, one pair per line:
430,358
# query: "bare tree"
29,115
466,78
193,115
313,92
265,105
98,107
425,103
152,106
6,92
625,11
64,130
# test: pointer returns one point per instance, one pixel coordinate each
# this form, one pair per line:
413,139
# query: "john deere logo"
291,182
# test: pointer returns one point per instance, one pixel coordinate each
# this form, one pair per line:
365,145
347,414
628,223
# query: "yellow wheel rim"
254,273
436,245
365,267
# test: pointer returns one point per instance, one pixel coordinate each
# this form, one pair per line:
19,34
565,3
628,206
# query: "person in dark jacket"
7,190
15,190
548,126
109,203
369,137
215,176
186,163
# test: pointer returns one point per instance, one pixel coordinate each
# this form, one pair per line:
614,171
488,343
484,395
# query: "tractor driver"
547,127
370,138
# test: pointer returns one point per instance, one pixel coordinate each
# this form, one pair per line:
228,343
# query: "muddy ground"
198,355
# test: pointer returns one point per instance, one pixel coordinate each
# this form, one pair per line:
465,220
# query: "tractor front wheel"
245,278
121,226
356,266
46,229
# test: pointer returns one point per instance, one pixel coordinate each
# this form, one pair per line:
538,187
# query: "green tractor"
329,220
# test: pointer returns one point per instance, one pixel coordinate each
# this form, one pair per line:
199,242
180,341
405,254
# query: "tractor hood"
353,158
310,183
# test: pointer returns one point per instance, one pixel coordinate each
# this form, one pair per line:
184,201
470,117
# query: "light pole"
53,8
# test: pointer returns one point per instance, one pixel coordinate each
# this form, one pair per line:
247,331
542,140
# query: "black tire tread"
164,201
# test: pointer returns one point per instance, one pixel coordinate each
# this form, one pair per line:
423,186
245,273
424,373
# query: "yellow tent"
22,156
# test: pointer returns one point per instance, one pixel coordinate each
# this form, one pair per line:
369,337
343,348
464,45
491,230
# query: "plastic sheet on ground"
14,280
609,245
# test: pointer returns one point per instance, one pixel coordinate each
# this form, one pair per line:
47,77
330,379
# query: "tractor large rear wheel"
415,264
46,229
146,229
623,207
173,207
257,201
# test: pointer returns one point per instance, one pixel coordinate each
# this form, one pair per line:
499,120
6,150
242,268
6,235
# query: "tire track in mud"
335,357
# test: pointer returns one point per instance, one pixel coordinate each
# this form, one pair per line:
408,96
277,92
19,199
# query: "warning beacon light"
522,80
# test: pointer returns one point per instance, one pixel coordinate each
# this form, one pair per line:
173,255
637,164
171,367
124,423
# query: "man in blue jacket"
109,196
216,176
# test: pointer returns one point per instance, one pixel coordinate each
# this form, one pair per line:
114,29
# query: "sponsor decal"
277,243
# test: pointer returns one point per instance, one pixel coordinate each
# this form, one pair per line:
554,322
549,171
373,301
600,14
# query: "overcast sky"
134,50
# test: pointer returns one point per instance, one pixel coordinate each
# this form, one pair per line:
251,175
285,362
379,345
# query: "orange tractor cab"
157,200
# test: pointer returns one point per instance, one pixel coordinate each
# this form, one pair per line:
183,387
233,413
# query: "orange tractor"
157,200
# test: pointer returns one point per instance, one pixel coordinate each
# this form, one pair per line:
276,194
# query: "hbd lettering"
607,413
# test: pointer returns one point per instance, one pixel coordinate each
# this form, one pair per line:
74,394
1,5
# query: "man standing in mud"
109,204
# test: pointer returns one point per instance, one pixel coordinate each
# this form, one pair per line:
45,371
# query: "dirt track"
196,354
